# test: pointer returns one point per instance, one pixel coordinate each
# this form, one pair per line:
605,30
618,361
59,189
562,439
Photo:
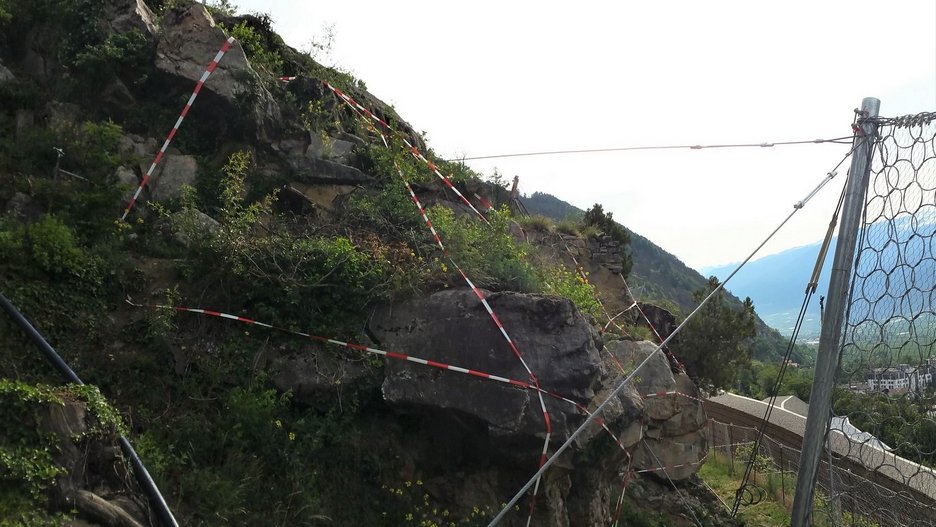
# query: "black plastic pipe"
139,470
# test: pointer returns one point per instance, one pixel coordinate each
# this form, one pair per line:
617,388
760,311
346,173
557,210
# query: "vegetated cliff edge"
276,202
661,277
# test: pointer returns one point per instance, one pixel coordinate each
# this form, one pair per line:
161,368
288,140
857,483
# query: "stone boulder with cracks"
491,432
188,42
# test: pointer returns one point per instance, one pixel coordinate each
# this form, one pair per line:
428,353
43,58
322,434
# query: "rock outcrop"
605,251
188,41
556,342
497,424
95,479
673,419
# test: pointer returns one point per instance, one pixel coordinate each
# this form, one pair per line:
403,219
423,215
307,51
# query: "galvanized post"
830,340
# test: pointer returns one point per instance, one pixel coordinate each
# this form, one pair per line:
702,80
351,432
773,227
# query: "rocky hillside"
661,278
280,333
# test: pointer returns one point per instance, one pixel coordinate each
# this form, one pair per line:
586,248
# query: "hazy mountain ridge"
891,257
777,284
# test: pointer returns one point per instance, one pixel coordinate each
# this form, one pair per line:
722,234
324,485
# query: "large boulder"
555,340
310,169
674,440
131,15
476,424
315,375
189,40
174,172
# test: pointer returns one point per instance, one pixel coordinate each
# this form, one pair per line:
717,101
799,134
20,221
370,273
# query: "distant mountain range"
895,271
777,285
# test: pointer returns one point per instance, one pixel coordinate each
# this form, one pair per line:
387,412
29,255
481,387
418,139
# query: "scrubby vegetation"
197,396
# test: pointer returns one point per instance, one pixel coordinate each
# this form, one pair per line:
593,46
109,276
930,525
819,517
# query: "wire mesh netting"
885,401
846,494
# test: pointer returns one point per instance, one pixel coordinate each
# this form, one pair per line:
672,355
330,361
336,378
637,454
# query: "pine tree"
717,342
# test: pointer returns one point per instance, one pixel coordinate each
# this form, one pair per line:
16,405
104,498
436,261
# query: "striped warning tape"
383,353
188,106
369,117
411,359
484,203
344,344
480,295
412,149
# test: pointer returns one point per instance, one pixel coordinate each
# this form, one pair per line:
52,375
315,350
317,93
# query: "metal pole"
830,340
142,475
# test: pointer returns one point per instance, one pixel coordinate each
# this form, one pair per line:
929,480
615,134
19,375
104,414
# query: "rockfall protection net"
887,375
846,494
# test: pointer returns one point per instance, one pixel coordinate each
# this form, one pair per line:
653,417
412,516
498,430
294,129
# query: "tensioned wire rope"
765,144
598,410
808,294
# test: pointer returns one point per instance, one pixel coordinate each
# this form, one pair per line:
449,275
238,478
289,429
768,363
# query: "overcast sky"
486,77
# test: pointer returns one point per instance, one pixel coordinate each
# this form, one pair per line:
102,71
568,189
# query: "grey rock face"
500,422
189,40
674,420
313,170
316,376
175,171
453,327
130,15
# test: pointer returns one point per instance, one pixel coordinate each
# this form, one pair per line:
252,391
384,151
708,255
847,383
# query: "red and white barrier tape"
188,106
412,359
484,203
412,149
344,344
383,353
358,109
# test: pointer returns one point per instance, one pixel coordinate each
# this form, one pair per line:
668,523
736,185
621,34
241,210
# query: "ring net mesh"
884,427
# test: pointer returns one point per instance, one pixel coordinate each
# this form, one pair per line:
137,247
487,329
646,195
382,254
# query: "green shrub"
537,222
53,248
121,55
256,48
488,254
568,226
561,281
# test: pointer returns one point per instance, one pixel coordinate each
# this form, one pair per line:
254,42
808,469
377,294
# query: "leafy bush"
561,281
487,253
48,245
256,48
52,246
127,56
716,343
